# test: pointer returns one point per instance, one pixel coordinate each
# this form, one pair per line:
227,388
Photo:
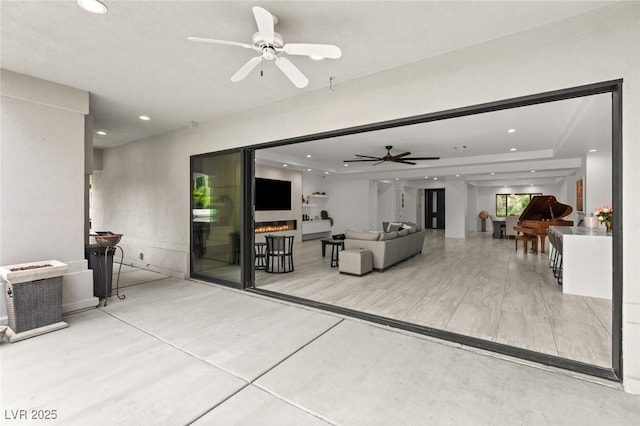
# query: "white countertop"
580,231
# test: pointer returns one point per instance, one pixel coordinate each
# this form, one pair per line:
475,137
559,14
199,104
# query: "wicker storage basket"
34,304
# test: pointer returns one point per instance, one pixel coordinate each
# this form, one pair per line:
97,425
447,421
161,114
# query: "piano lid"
545,207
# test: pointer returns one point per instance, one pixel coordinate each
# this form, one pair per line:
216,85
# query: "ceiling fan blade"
214,41
265,22
324,50
246,69
405,162
404,154
292,72
355,161
421,158
368,156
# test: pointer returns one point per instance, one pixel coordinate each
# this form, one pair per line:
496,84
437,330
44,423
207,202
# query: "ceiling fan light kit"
93,6
270,45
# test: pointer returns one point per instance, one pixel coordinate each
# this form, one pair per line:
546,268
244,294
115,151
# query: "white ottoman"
356,262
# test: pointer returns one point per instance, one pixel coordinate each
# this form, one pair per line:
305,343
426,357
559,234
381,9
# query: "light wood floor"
478,286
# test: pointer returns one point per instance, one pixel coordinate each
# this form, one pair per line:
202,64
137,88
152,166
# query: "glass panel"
216,198
501,205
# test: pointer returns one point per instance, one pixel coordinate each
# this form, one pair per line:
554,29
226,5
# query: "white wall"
473,222
597,185
310,184
455,196
599,46
410,209
42,192
348,204
385,205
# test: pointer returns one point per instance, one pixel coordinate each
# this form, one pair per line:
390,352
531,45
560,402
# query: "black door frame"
615,88
243,230
439,215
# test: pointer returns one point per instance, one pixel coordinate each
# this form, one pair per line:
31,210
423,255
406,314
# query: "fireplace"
275,226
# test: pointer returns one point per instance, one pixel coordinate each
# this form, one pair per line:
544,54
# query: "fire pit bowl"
107,240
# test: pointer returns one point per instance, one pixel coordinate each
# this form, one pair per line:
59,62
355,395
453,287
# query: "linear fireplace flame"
275,226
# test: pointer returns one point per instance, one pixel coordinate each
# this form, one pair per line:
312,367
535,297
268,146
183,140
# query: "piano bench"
525,242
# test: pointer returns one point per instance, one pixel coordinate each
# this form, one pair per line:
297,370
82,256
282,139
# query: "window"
512,204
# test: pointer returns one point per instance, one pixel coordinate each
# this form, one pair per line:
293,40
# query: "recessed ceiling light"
285,165
308,170
513,149
326,173
308,155
93,6
457,175
397,178
346,165
511,131
593,150
533,171
144,118
435,178
101,132
426,177
493,173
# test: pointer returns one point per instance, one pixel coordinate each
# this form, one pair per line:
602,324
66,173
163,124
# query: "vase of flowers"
605,216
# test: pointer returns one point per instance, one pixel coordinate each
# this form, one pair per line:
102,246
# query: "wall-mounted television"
271,194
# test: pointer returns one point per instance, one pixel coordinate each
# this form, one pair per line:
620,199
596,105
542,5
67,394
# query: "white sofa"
388,248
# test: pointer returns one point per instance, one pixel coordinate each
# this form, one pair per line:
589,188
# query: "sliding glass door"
216,191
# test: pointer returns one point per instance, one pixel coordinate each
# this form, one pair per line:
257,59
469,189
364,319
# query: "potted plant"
325,216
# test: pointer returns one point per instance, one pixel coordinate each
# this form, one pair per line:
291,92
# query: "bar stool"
279,254
261,256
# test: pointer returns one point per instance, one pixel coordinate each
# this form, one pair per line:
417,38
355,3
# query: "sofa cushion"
413,230
403,232
367,236
385,236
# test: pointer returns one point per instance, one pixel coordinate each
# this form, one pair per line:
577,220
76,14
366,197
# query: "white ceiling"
136,60
551,138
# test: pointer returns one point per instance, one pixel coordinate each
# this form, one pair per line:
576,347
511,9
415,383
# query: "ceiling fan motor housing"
268,49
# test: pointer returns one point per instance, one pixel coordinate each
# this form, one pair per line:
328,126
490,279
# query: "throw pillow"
393,226
384,236
367,236
413,230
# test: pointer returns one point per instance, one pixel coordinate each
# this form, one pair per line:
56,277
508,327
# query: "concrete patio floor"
178,352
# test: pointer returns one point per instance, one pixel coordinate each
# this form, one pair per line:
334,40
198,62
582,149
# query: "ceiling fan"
270,45
398,158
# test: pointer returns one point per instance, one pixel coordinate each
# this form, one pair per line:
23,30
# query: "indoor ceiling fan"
270,45
398,158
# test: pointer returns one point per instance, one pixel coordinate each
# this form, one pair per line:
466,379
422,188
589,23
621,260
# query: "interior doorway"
435,211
